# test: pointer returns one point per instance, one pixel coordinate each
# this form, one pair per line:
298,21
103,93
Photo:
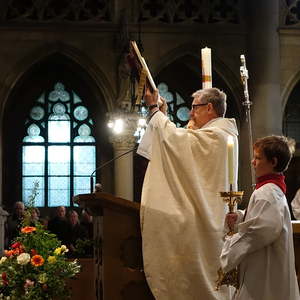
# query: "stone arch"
288,88
86,78
290,96
42,54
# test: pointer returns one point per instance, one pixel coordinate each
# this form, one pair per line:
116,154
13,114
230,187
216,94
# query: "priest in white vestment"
182,214
263,245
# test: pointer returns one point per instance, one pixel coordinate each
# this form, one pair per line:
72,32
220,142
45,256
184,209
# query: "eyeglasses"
196,105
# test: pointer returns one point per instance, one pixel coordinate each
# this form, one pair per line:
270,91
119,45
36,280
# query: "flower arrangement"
35,266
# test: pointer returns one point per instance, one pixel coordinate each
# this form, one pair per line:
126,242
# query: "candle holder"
232,198
232,277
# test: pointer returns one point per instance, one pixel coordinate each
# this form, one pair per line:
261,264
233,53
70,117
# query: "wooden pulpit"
118,247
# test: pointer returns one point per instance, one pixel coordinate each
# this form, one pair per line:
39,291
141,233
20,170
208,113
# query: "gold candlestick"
232,277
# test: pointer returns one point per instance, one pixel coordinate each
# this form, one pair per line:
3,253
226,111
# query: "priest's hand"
163,106
151,98
154,101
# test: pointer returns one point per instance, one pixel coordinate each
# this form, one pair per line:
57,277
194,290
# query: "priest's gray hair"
214,96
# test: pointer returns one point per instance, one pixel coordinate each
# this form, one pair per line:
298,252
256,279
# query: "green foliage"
35,266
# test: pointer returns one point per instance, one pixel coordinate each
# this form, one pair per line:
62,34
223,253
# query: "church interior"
65,76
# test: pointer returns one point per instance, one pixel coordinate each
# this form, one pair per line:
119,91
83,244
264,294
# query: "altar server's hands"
231,219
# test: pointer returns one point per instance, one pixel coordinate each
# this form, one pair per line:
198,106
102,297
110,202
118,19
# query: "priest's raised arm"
182,214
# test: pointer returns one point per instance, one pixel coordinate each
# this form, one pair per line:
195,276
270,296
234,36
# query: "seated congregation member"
87,223
14,222
263,245
35,216
58,224
75,232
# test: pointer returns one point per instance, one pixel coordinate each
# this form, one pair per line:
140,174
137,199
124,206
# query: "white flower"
23,259
64,248
3,259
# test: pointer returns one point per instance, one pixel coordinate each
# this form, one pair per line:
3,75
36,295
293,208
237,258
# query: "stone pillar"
264,66
263,63
123,142
3,217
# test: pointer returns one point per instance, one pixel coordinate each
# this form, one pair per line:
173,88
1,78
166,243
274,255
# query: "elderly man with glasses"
182,215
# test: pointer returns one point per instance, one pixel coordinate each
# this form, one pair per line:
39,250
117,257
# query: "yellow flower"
42,278
64,249
51,259
57,251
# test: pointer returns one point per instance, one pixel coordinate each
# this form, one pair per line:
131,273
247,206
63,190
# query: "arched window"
178,109
59,150
291,119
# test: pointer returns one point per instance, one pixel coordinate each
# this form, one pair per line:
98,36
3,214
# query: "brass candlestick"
232,277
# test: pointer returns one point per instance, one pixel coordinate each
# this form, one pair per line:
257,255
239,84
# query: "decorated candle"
230,144
206,68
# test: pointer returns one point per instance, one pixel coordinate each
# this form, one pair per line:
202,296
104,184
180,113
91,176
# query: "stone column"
123,142
264,66
263,63
3,217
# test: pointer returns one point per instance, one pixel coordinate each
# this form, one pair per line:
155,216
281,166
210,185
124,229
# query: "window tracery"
59,151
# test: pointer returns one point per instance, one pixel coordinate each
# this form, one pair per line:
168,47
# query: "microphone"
107,163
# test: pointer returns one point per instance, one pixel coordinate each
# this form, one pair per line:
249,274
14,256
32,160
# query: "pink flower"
28,283
16,245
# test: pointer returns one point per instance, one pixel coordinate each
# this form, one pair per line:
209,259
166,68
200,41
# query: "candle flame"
230,140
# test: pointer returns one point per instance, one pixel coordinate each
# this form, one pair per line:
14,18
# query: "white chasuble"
182,214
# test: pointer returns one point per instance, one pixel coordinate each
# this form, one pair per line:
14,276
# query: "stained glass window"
178,109
59,151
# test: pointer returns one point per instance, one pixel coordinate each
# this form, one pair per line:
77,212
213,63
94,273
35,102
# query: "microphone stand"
107,163
247,103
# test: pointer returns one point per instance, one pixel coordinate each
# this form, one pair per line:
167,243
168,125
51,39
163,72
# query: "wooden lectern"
118,247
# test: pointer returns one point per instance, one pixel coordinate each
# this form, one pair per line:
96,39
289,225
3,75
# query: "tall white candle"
206,68
230,144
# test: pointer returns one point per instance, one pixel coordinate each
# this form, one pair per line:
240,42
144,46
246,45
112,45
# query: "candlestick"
232,277
206,68
230,144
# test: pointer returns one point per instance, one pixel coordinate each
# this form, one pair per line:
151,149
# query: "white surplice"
182,214
263,249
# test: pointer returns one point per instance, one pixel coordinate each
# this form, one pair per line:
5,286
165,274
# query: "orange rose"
28,229
37,260
9,253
